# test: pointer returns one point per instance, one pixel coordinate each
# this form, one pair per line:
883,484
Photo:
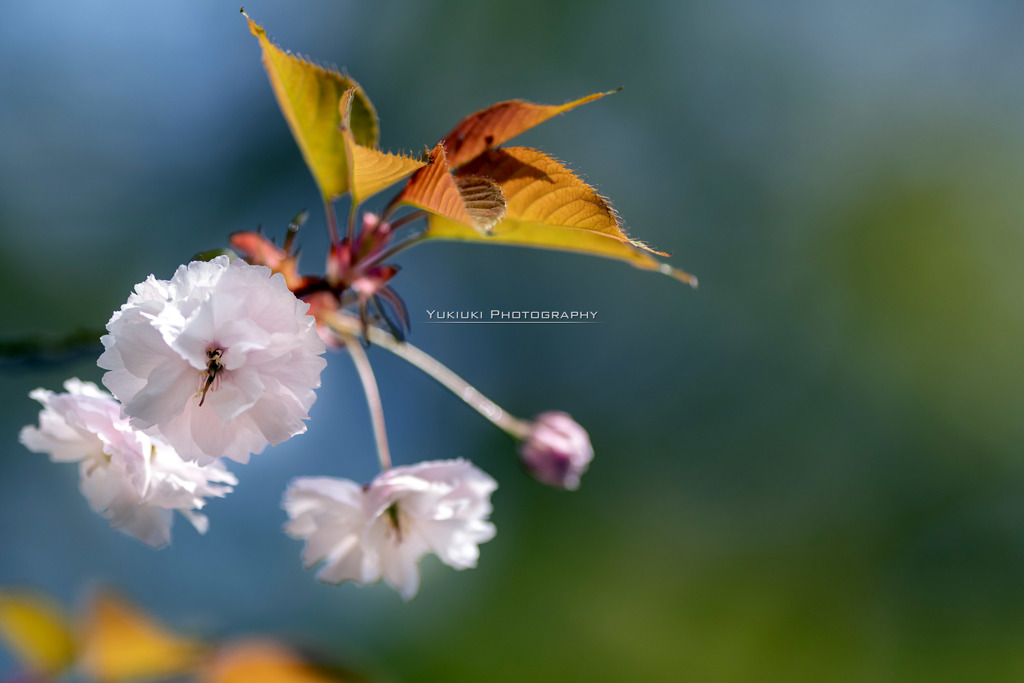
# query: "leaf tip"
643,245
254,28
680,275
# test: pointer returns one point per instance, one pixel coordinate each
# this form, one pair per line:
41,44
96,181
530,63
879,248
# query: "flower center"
213,368
393,521
96,461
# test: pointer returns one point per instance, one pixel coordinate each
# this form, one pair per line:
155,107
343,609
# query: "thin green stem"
293,229
362,363
347,326
352,213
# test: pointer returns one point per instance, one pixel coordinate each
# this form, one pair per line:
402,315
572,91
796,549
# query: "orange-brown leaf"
539,189
474,202
259,661
121,643
370,170
501,122
548,206
260,251
308,96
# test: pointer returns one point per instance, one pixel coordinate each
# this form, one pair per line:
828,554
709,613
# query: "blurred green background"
808,469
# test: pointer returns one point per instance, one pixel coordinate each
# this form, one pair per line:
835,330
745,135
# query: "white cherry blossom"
381,530
131,478
221,360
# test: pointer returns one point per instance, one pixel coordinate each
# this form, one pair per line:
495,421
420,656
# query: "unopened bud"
557,450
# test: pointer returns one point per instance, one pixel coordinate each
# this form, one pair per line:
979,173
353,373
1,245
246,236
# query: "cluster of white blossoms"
222,360
216,362
133,479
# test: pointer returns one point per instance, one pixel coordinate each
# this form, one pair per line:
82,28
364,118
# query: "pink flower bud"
557,450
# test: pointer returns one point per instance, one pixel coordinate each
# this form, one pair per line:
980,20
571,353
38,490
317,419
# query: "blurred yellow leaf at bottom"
260,661
120,643
36,631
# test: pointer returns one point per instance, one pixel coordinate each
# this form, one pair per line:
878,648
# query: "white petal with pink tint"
133,479
382,530
256,390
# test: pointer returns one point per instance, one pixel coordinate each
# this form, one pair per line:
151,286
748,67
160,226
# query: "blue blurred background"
808,469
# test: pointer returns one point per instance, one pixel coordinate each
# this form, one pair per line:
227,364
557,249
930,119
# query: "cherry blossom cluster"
217,362
224,359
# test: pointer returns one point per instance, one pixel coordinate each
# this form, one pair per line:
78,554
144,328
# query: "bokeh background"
808,469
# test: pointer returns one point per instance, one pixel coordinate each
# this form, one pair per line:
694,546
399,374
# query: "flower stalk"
369,381
346,326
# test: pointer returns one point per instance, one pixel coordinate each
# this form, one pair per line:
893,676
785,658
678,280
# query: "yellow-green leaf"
36,632
308,95
373,170
549,207
501,122
370,170
472,201
120,643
